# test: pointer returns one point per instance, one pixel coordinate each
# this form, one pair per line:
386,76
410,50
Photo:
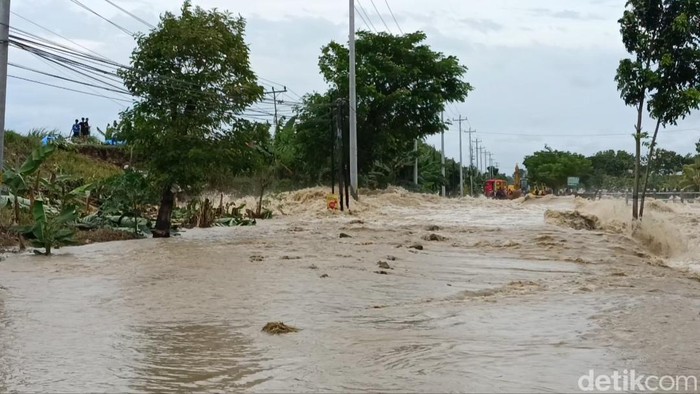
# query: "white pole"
442,137
461,165
415,164
4,49
353,106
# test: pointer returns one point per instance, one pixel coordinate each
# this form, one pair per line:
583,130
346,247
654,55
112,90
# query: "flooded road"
498,299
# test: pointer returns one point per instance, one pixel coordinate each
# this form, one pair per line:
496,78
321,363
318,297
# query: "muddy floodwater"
419,295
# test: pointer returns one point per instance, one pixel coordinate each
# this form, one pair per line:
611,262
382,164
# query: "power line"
77,2
380,16
392,15
363,18
123,91
362,8
52,32
131,14
65,88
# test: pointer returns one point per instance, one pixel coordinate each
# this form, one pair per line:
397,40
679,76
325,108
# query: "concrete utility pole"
442,136
471,163
4,51
477,155
353,106
415,164
461,164
491,164
274,100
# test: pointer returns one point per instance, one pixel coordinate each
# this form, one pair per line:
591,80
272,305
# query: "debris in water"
619,274
433,228
416,246
356,221
291,258
381,272
572,219
276,328
324,276
434,237
391,258
313,267
343,235
256,258
384,265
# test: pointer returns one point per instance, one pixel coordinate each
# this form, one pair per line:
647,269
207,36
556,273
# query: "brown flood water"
504,302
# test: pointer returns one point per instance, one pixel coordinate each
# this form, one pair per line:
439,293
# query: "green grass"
69,162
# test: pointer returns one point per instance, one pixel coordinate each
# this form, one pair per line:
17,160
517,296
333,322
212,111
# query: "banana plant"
18,180
50,231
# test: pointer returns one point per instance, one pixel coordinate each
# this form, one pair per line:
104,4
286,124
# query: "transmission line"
380,16
77,2
392,15
131,14
65,88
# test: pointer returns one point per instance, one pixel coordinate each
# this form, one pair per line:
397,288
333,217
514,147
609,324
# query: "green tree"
402,87
192,77
697,147
662,77
691,176
552,167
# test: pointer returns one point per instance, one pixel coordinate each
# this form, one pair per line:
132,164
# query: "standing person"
75,130
85,130
82,126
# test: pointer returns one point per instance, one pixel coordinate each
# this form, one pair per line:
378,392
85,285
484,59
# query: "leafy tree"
192,77
552,167
402,87
664,37
697,147
691,176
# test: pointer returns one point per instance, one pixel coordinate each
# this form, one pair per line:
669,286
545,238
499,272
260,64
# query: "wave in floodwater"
420,294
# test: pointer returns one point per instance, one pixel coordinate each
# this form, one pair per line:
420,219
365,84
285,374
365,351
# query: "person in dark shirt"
86,128
75,130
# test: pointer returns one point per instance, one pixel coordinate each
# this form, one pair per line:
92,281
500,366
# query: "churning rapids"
514,296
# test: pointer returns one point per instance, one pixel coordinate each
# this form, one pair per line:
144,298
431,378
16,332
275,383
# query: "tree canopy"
402,88
552,167
192,77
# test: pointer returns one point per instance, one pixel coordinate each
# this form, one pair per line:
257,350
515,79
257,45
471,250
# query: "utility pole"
477,155
274,93
471,163
442,137
4,50
415,164
491,164
352,115
461,165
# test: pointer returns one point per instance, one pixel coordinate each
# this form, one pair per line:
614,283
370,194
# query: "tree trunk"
637,160
649,163
167,203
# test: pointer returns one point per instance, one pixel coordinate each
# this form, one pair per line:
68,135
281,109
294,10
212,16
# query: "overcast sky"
542,69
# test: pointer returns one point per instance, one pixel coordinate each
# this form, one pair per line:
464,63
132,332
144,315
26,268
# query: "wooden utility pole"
4,52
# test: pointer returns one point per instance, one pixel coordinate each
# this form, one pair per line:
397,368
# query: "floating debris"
276,328
384,265
343,235
324,276
434,237
416,246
